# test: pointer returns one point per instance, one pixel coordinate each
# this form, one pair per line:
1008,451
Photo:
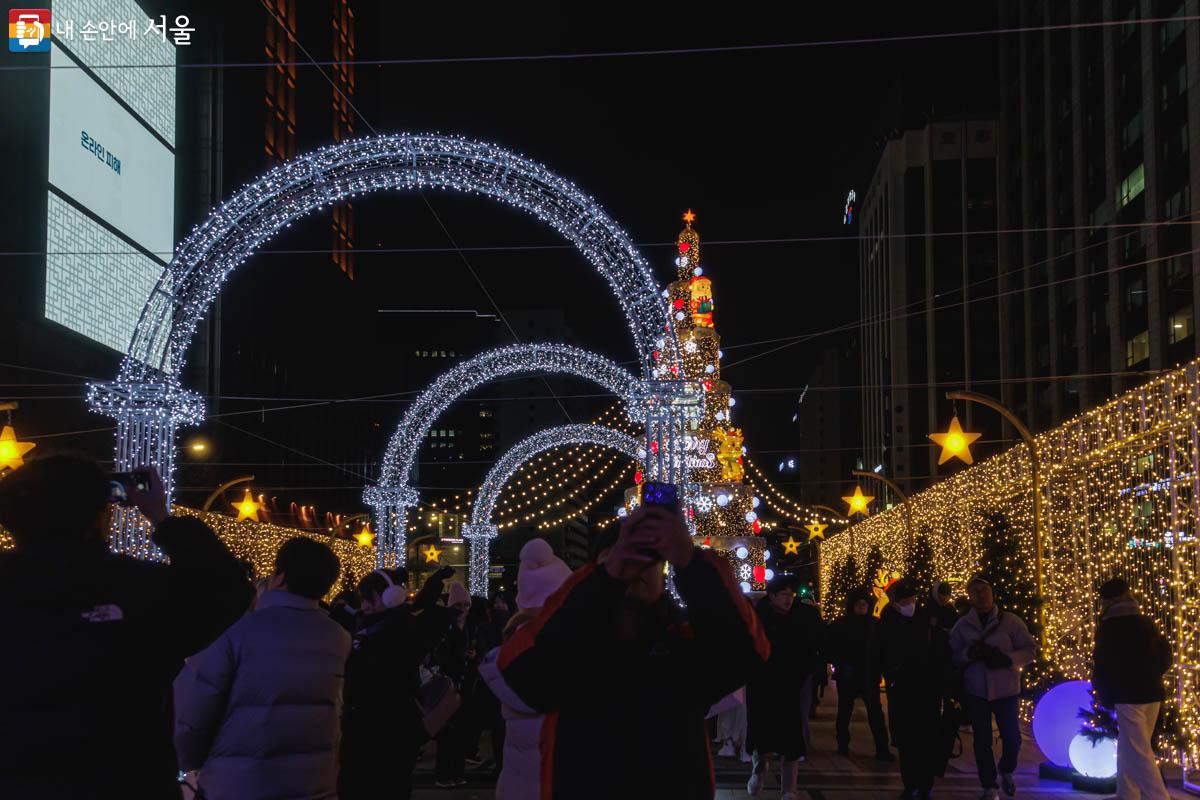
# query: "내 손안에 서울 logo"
29,30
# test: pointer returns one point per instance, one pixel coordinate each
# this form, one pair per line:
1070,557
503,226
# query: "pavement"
828,776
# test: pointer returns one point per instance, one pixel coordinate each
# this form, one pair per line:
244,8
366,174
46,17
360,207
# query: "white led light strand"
482,530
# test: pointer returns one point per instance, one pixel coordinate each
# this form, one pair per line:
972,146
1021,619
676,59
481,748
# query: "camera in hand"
661,494
122,485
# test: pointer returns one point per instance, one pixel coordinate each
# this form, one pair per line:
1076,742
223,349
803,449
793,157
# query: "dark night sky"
762,144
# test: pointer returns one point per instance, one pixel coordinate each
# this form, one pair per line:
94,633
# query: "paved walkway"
828,776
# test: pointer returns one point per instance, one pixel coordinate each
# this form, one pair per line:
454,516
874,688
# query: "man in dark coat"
853,650
779,696
942,609
624,682
93,640
1130,660
381,724
916,657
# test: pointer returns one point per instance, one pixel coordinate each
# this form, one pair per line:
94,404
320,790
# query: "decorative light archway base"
479,539
389,513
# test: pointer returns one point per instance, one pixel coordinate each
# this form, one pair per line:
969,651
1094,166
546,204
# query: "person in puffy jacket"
991,646
540,574
916,660
88,665
625,682
1130,660
853,648
778,697
381,724
258,712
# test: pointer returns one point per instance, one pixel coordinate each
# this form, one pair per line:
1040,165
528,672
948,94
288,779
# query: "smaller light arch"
480,532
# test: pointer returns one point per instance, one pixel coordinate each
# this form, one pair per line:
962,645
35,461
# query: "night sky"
763,144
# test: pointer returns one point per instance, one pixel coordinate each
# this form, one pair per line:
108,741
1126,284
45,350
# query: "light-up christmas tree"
719,507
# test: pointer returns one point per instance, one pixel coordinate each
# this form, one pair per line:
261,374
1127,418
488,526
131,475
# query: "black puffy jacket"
1131,657
92,642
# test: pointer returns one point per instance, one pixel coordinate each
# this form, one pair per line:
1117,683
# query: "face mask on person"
908,610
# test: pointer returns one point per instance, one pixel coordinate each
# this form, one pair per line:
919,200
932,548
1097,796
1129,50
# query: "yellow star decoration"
791,547
815,531
858,502
248,508
364,537
432,554
955,442
689,217
12,452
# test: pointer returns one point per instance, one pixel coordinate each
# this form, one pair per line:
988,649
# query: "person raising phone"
625,682
93,639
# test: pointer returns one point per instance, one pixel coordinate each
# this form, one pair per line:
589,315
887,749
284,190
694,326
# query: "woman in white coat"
540,575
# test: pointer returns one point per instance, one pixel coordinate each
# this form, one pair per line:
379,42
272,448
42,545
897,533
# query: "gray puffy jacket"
258,712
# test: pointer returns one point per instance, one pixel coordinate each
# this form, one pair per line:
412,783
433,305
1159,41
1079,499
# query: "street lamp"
888,482
1027,436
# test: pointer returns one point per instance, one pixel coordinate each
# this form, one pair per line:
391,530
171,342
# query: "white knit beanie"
540,574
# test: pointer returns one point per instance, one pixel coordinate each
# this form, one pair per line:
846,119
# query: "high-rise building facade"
1098,131
927,269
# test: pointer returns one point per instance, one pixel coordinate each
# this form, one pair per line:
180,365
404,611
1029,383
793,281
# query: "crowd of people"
125,677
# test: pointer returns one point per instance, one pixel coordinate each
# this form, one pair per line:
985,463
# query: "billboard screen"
111,196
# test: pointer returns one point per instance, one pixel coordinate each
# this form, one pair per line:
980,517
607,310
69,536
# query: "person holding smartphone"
93,639
624,679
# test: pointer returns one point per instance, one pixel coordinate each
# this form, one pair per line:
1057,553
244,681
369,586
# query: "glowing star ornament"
689,216
432,554
791,547
858,502
955,443
12,452
364,537
815,531
248,508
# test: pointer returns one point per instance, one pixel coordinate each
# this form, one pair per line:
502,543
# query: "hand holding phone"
141,489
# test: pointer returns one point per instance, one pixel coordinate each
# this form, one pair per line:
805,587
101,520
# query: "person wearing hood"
941,606
1129,662
778,696
991,646
853,650
381,723
915,658
540,575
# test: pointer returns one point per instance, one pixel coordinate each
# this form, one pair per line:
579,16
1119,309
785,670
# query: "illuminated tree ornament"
689,217
432,554
12,452
815,530
791,547
364,537
248,508
858,502
955,442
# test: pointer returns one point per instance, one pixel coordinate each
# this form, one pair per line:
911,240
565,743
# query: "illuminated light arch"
481,530
147,399
392,496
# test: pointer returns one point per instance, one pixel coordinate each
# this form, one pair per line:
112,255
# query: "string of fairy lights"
1121,498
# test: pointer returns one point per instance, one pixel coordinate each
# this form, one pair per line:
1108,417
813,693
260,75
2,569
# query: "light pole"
888,482
1027,436
212,498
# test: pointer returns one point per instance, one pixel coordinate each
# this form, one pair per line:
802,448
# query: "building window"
1132,186
1178,203
1168,33
1180,325
1137,349
1178,269
1131,131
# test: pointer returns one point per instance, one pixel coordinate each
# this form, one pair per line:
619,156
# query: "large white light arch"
147,399
482,530
393,494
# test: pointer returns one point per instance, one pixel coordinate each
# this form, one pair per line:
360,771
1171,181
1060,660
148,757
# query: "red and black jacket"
625,714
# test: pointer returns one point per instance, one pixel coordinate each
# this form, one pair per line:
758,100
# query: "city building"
1098,128
928,286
